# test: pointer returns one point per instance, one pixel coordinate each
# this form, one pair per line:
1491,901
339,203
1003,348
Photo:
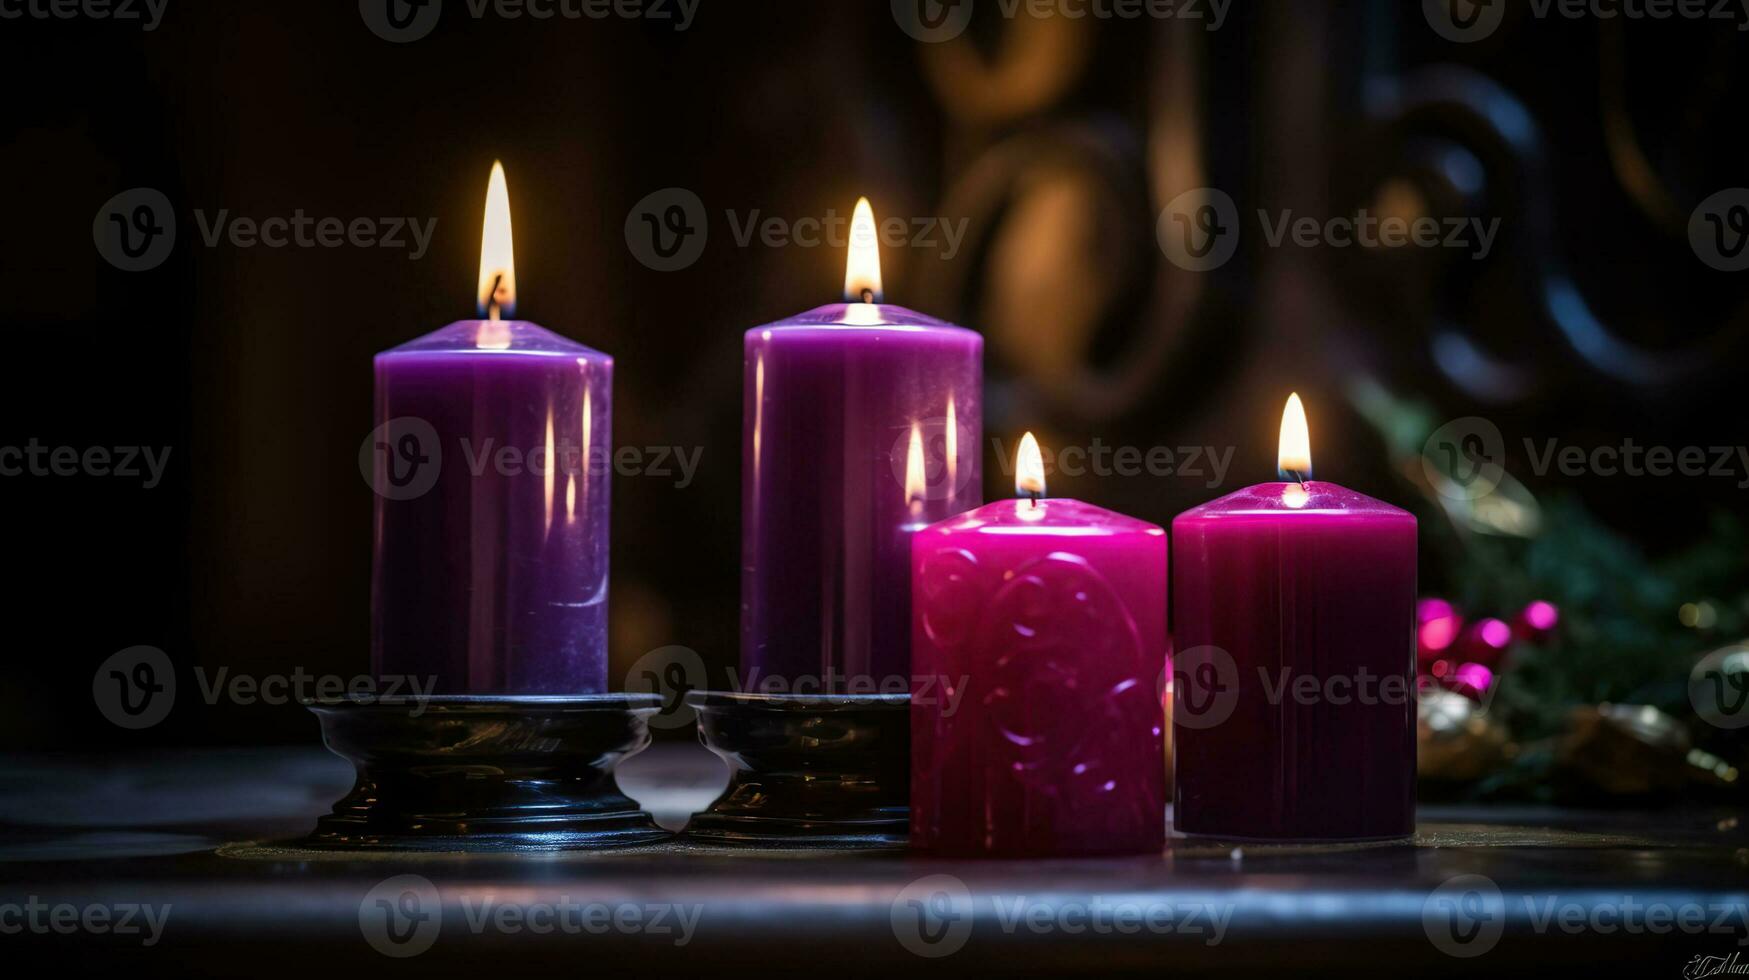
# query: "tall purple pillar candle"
1294,661
491,464
1040,649
862,424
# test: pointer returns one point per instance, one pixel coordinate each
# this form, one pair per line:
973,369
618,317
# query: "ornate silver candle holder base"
477,773
807,770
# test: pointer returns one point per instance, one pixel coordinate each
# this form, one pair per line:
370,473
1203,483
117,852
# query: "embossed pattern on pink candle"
1038,650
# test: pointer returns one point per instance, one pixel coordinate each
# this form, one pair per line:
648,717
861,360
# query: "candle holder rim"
481,703
794,702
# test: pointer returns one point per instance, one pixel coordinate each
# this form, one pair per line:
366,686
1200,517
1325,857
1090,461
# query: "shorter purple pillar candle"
490,461
1294,661
1039,646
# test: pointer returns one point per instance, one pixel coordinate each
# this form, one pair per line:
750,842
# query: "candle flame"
1295,456
497,292
916,477
1029,469
862,270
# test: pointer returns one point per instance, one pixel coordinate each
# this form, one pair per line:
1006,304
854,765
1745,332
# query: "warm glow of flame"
497,292
552,470
1029,469
1295,455
952,449
916,479
862,270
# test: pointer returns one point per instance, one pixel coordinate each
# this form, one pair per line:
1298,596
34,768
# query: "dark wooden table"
195,842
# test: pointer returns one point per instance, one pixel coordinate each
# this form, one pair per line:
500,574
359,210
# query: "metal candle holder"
807,770
483,773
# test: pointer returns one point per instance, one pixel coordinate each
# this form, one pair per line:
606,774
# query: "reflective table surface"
183,863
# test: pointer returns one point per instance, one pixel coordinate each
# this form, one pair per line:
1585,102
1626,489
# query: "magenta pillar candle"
1294,665
1039,647
491,555
832,490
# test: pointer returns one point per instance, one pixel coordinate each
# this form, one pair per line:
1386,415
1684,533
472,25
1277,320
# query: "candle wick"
868,295
492,298
1298,477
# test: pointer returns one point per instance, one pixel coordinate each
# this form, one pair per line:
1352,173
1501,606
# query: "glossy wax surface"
1276,586
1040,645
832,398
491,562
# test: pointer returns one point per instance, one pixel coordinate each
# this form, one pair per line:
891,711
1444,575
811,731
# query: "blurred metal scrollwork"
1062,272
1594,281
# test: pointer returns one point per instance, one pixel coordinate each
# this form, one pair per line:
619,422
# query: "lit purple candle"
1040,646
1294,663
490,462
862,424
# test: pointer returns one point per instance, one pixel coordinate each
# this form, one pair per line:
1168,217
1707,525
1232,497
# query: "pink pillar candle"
1039,647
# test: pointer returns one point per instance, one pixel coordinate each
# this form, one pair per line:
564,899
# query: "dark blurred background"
1058,140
